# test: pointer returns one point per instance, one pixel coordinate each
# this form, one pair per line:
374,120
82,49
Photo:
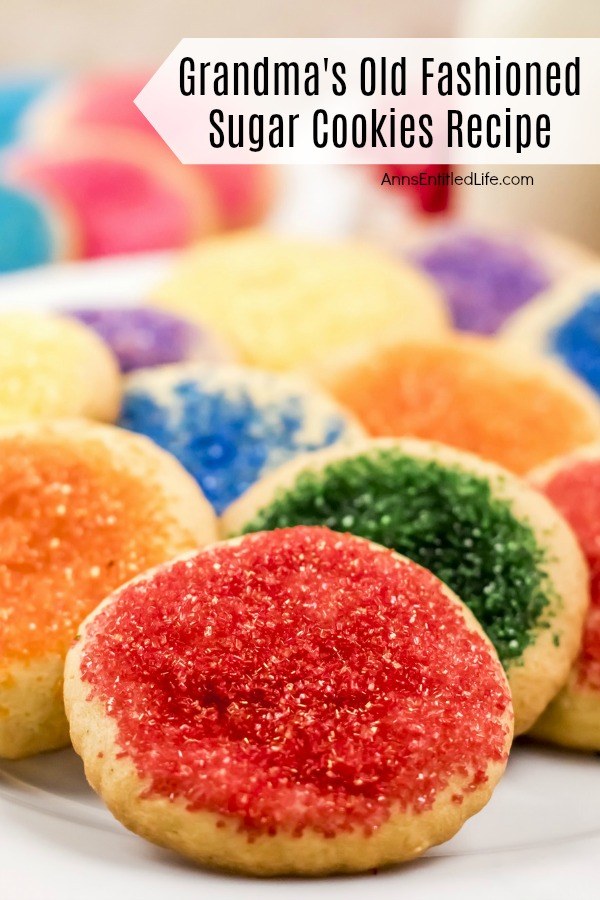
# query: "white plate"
539,837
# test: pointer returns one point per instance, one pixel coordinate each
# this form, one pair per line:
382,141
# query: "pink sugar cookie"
124,195
105,100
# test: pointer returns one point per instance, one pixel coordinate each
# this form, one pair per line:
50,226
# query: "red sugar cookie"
573,484
243,193
296,701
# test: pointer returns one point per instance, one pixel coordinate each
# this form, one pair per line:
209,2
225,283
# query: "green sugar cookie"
496,543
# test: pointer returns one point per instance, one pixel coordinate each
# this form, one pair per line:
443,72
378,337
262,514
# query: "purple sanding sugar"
141,337
484,279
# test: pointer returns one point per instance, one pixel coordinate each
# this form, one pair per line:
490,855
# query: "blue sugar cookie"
17,95
577,339
229,425
564,323
28,234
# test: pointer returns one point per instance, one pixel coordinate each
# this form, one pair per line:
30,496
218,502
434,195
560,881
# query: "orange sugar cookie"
83,509
465,392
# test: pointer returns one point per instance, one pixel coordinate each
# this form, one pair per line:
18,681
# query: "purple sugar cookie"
141,337
487,275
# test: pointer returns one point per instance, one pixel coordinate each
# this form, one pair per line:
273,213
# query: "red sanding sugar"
298,679
575,491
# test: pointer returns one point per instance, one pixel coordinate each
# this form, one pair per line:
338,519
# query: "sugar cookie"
464,391
486,275
18,95
141,337
229,425
565,323
122,194
53,367
83,508
285,302
492,539
295,702
572,483
33,233
104,103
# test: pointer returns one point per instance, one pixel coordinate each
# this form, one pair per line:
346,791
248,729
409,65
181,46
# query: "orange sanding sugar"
74,524
461,393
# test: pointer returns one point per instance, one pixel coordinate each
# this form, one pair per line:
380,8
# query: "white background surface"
538,839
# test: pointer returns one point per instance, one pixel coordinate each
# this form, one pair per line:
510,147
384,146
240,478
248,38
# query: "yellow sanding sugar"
53,367
287,302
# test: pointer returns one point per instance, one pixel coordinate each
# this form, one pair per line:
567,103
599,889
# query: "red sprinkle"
297,679
575,491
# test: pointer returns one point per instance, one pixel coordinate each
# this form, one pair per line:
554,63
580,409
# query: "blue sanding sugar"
484,279
225,437
577,340
26,237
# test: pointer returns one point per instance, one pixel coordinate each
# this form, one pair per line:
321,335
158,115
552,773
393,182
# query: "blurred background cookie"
141,337
517,410
487,274
565,323
286,302
19,93
31,231
86,167
102,102
122,195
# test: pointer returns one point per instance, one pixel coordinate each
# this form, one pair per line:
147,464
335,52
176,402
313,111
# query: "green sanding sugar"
444,518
